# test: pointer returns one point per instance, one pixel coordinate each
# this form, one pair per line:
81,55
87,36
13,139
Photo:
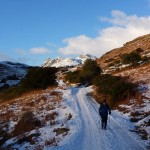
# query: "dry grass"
30,101
6,116
57,95
62,88
69,116
123,109
22,110
63,131
127,48
49,107
32,93
51,117
26,123
51,142
28,138
144,135
140,74
54,93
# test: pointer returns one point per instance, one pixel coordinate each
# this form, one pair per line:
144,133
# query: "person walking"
104,109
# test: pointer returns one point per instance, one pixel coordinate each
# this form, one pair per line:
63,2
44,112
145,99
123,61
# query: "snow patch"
67,62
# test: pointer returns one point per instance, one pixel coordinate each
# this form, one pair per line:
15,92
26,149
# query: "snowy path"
89,135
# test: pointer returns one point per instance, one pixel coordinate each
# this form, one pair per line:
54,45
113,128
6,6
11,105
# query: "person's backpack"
103,111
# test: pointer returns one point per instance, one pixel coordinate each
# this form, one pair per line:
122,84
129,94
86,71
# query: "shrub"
132,58
139,50
39,78
61,131
51,117
73,77
89,70
117,88
26,123
36,78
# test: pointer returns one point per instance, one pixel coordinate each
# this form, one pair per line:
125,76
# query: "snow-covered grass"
138,110
49,108
69,121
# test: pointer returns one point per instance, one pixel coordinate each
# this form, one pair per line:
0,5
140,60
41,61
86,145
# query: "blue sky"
33,30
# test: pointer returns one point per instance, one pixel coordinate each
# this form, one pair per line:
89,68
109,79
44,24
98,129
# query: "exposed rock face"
66,62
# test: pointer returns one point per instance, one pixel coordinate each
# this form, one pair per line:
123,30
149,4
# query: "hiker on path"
103,112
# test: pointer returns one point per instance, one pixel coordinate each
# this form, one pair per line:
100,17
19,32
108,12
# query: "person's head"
104,102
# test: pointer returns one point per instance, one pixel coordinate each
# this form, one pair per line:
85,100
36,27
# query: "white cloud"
39,50
123,29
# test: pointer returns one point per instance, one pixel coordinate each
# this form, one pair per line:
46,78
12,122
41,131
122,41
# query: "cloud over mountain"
123,29
39,50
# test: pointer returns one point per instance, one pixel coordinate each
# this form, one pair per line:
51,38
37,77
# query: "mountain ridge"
11,73
67,62
142,42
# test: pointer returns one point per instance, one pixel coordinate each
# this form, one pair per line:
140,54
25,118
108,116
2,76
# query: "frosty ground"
85,131
88,134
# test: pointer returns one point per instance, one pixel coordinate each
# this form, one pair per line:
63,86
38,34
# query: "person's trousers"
104,121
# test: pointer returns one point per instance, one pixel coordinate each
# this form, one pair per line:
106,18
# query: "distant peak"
66,62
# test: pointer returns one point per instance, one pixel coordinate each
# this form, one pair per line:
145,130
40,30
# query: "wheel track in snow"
90,100
89,122
125,133
89,135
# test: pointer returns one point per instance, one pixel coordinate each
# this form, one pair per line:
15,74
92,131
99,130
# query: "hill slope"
142,42
137,108
11,73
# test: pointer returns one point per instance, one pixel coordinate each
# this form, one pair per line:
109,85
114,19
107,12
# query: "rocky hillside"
66,62
141,45
113,62
11,73
121,62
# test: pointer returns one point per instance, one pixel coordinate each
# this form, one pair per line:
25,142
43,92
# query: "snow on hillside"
66,62
55,119
76,125
138,108
11,73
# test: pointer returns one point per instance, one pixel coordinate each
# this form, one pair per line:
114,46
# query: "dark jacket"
104,110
